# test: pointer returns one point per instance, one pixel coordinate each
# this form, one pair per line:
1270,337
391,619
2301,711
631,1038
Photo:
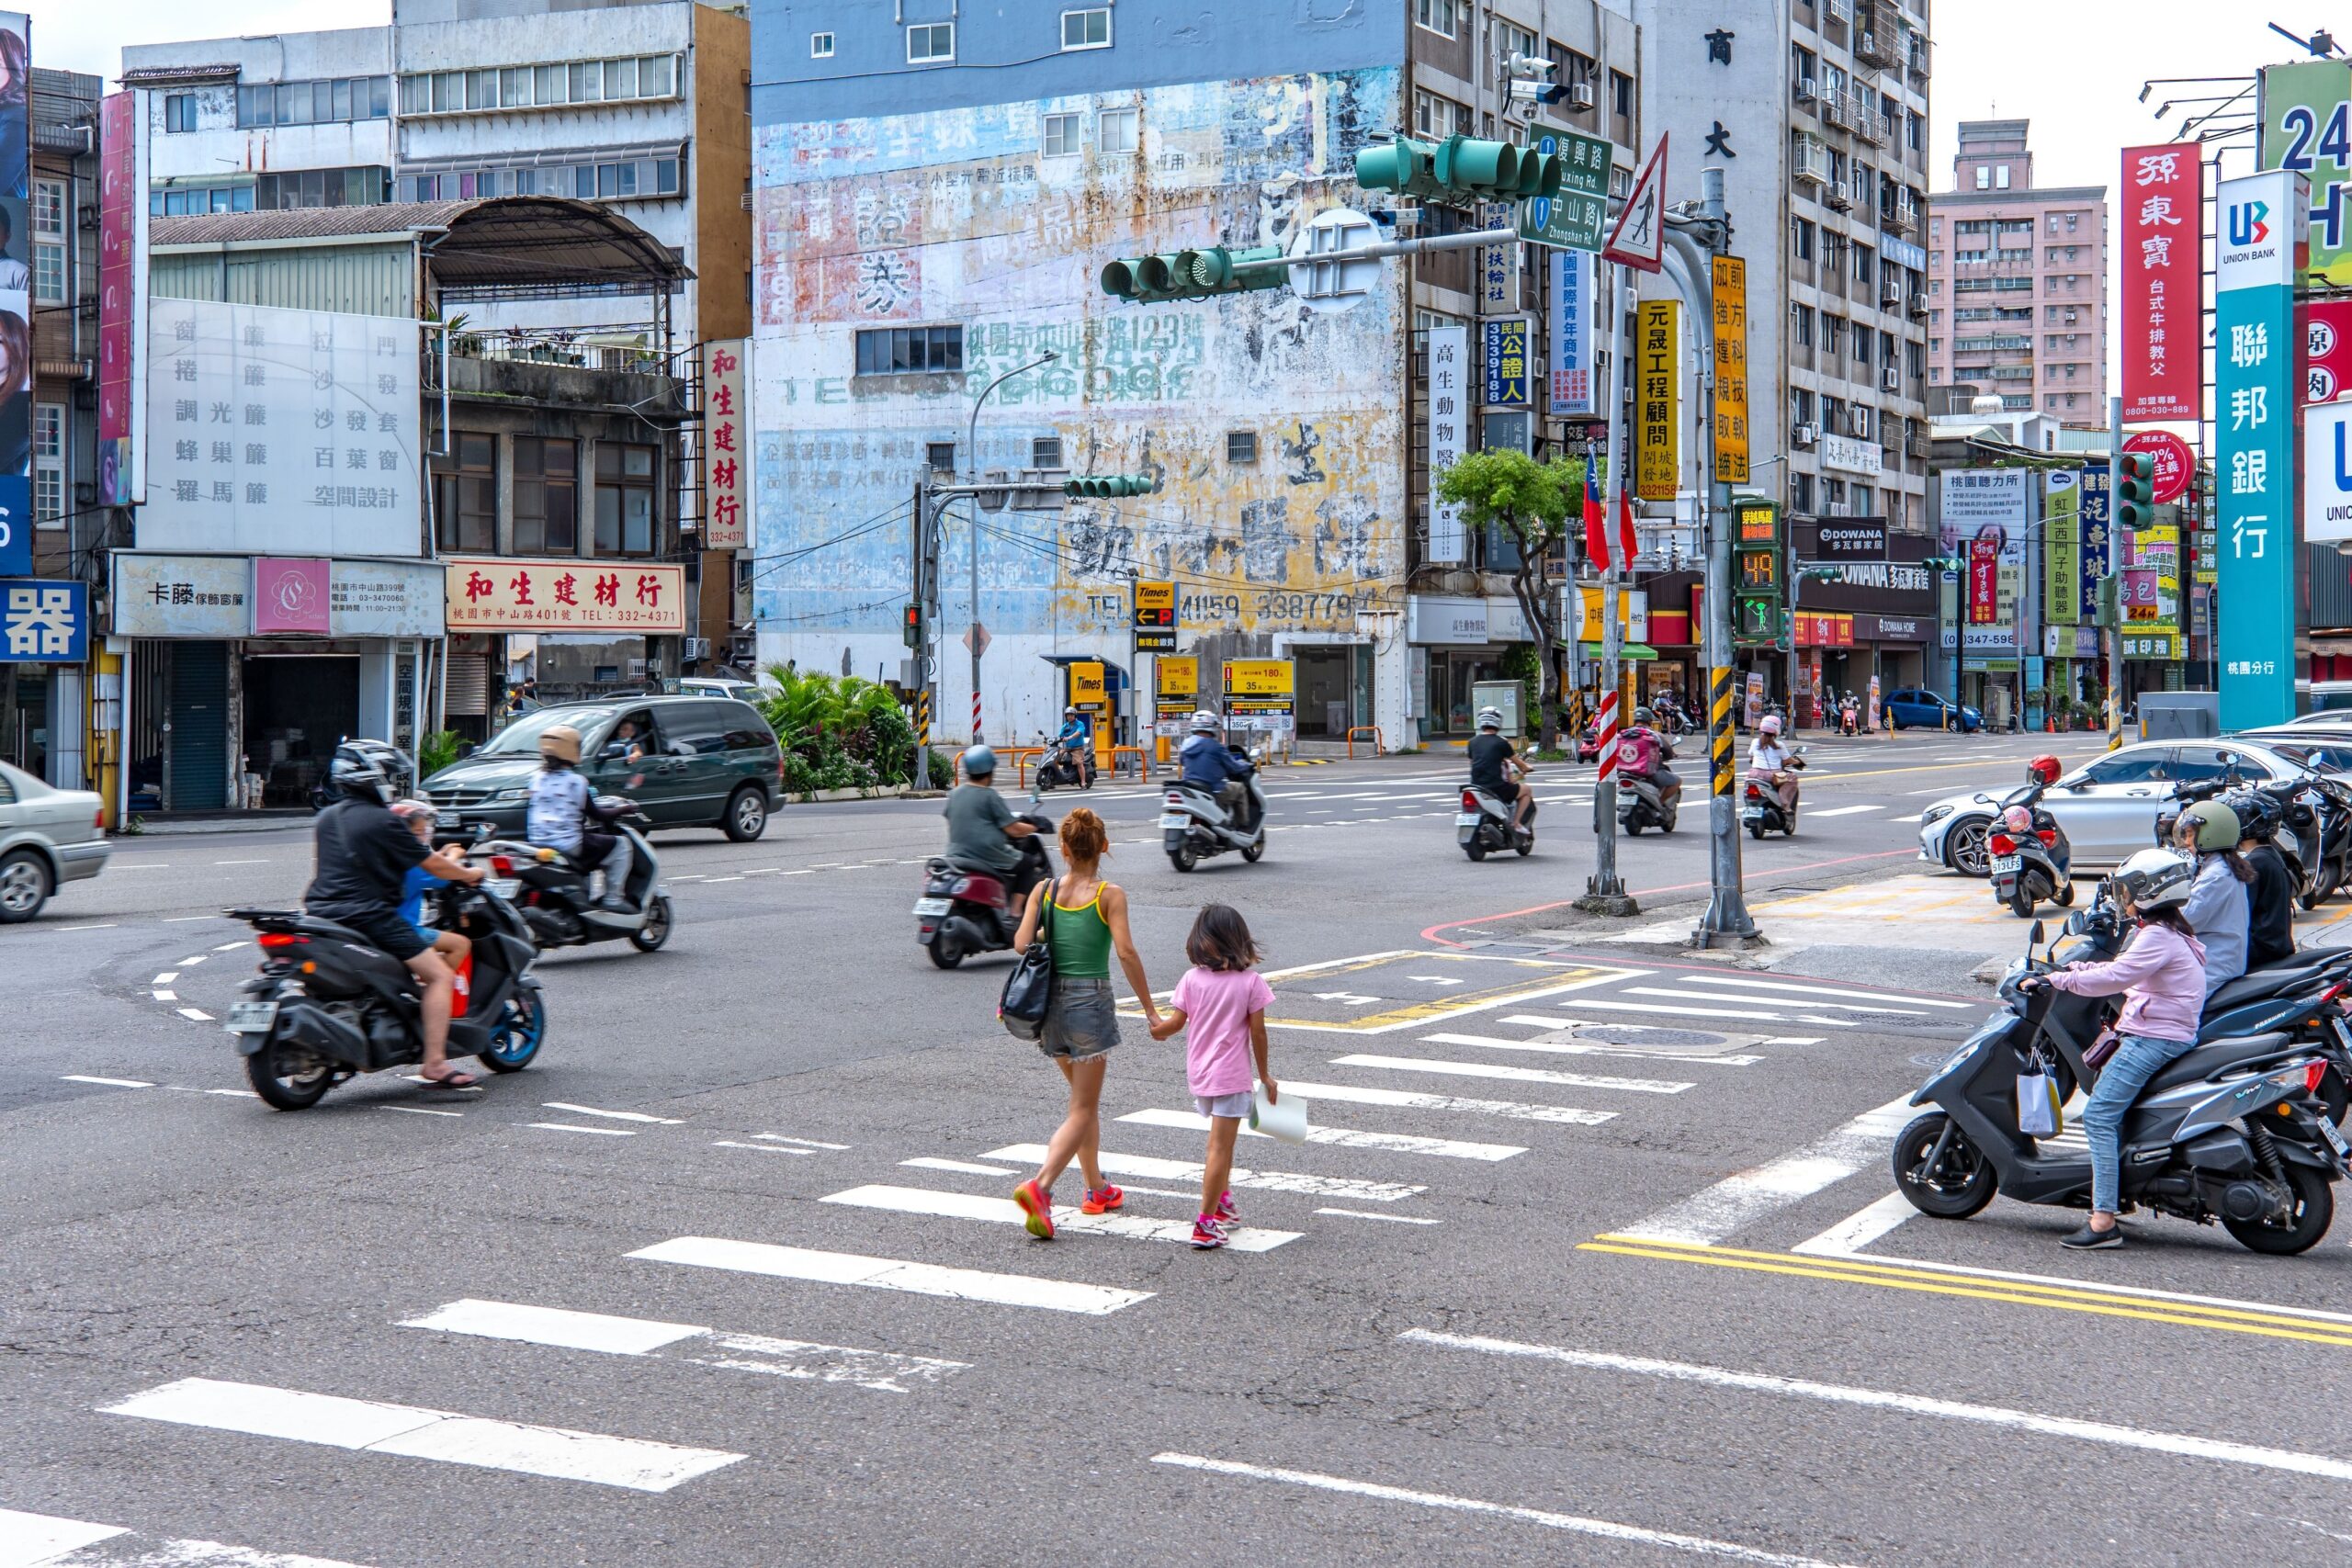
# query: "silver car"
47,836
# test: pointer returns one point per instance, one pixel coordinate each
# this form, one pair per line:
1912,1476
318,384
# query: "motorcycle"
1648,799
2025,871
555,896
1483,825
1850,718
1763,806
1194,825
1589,741
1066,767
328,1005
2231,1131
964,910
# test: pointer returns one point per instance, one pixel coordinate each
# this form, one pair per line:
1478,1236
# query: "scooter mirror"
2034,938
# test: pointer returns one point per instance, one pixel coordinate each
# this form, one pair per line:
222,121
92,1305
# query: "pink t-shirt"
1216,1005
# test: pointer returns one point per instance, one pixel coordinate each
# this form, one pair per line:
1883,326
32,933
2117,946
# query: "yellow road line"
2061,1299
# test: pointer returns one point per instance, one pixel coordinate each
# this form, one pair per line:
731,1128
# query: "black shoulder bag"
1028,990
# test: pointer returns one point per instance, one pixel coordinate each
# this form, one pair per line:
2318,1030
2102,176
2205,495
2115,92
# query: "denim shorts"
1238,1104
1081,1019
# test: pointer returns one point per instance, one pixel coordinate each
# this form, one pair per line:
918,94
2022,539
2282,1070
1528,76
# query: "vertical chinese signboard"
2096,556
2305,110
726,482
2257,358
2164,242
2062,573
118,295
1448,351
15,304
1731,370
1984,526
1572,333
1509,383
1657,463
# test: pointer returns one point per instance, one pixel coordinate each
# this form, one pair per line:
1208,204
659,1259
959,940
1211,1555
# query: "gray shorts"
1082,1019
1238,1104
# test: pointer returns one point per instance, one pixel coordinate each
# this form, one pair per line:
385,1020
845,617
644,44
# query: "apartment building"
2017,281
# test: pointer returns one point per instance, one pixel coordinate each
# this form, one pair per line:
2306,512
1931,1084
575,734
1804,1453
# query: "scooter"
964,910
1194,826
1066,767
1483,825
1763,807
1651,799
1850,718
556,897
2027,870
2229,1132
329,1005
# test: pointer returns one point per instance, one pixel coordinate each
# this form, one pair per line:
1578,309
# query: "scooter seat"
2279,979
2207,1060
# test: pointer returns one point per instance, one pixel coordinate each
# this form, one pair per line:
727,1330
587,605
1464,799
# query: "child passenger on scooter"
2160,976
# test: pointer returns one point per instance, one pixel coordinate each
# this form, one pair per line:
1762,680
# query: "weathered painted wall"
955,217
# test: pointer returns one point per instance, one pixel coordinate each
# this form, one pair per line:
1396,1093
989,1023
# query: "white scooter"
1483,825
1194,825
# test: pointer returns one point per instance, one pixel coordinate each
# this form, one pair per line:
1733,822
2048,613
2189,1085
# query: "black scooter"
1070,767
328,1004
556,897
2027,870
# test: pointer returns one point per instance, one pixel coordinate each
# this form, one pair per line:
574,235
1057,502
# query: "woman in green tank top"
1085,921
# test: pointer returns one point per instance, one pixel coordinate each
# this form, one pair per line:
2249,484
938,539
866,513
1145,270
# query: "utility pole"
972,461
2115,568
1604,891
924,610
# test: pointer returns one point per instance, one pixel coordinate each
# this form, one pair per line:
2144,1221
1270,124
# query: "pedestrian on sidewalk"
1089,922
1221,1006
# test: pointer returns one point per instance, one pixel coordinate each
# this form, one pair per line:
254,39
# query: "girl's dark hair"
1221,940
2237,864
2170,918
1083,836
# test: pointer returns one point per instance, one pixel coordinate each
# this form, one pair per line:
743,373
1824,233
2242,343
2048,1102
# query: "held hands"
1163,1024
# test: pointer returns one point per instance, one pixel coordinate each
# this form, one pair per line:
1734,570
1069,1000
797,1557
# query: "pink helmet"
1772,724
2018,820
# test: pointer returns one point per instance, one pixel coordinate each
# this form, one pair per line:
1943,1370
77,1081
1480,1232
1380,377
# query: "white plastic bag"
2038,1112
1283,1119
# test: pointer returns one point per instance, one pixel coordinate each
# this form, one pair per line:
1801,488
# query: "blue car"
1917,707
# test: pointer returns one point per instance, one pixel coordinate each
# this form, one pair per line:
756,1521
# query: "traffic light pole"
1604,892
926,667
2115,568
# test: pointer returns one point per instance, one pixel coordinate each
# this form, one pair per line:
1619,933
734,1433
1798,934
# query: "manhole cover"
1930,1059
1633,1034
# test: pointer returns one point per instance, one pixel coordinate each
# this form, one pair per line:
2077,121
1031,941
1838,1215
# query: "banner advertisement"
119,288
2327,346
2305,107
496,594
2258,359
1658,465
726,472
2327,474
2162,224
1510,378
1731,370
1449,415
1985,524
1572,333
2098,560
17,520
2061,569
1752,708
1872,719
1497,279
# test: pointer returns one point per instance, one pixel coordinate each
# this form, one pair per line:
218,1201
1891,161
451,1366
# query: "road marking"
95,926
797,1358
265,862
891,1274
956,1166
2021,1289
764,1148
413,1432
1003,1211
1406,1099
615,1115
1858,1230
41,1541
1511,1075
226,946
1262,1181
165,978
198,1014
1817,814
1740,1200
1343,1137
1887,1007
572,1127
1576,1048
707,880
418,1111
1652,1010
1392,1219
164,996
1909,1404
187,919
111,1083
805,1143
1574,1523
1812,991
187,963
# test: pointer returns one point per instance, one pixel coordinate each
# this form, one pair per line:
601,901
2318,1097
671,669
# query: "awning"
1639,652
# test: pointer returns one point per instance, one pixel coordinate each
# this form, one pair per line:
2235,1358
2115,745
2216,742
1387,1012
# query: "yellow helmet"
560,740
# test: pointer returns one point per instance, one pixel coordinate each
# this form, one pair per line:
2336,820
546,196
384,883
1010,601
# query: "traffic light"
913,629
1460,166
1106,485
2135,474
1192,275
2111,600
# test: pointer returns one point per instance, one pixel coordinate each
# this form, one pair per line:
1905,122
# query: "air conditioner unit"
1891,298
1891,378
696,647
1579,95
1837,201
1807,90
2071,318
1919,305
1857,421
1805,434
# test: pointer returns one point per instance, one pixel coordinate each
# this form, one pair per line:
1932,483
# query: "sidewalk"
225,822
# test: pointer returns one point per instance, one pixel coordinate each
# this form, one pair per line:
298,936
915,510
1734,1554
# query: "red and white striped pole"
1608,737
976,717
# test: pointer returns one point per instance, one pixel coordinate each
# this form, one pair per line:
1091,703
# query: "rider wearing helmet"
1496,765
1076,734
2270,896
2216,907
982,833
2160,976
364,855
1766,754
559,818
1643,753
1208,764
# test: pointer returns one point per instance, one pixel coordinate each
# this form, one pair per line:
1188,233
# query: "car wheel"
1964,847
24,886
747,815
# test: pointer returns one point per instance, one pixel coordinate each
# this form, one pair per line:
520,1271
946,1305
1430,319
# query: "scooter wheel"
1474,850
1959,1186
1632,828
2022,902
1525,846
945,951
288,1078
515,1039
1755,831
1255,853
2311,1206
2311,899
2066,896
1667,826
656,929
1184,858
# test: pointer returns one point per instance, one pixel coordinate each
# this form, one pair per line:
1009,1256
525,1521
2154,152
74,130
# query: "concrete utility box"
2180,715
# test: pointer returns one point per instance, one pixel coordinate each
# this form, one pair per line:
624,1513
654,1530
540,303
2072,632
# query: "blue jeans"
2136,1060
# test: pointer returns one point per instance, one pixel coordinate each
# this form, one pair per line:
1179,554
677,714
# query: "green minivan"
688,762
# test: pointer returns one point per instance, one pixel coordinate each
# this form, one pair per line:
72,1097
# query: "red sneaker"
1038,1206
1102,1200
1207,1233
1226,1213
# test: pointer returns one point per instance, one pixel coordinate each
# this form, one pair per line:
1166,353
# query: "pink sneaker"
1226,1213
1207,1233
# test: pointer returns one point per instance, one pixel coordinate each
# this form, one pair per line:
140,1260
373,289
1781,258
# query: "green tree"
1530,502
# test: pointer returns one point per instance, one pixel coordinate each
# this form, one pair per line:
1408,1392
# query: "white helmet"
1490,718
1772,724
1204,722
2156,879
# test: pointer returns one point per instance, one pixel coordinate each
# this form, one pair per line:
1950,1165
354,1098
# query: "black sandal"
454,1079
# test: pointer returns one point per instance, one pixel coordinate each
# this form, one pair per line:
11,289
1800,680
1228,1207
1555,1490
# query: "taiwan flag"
1596,516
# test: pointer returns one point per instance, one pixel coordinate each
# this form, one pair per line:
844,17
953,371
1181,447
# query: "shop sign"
384,598
725,471
2257,368
1731,370
2327,474
289,597
1814,628
2164,645
1852,454
2070,642
2061,567
2327,349
1505,622
1657,463
121,291
1088,693
2163,242
1510,382
43,622
16,309
1448,411
1889,629
1984,522
1572,333
494,594
1259,694
1176,681
2305,107
1845,539
182,596
1433,618
1633,614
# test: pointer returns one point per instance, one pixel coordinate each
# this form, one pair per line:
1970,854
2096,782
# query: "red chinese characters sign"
2163,225
725,454
494,594
119,286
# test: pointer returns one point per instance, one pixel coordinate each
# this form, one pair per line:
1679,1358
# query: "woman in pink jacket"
2160,976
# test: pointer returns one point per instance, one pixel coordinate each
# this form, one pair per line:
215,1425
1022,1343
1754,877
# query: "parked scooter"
1768,805
556,897
968,910
1194,824
1483,825
2030,859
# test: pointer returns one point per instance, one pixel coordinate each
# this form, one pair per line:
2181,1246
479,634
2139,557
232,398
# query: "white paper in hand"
1283,1119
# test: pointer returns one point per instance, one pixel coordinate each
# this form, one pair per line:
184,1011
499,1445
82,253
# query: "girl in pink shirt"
1221,1005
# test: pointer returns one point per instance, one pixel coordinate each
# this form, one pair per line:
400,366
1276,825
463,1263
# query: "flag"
1627,546
1596,517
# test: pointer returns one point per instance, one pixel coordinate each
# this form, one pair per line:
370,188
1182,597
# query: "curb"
882,792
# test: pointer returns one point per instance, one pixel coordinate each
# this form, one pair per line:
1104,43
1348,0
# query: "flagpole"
1605,890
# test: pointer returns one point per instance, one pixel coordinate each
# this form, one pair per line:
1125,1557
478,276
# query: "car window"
7,790
2327,756
522,734
2201,762
647,736
695,729
746,730
2126,767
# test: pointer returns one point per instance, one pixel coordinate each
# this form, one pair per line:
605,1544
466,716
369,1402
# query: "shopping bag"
2038,1115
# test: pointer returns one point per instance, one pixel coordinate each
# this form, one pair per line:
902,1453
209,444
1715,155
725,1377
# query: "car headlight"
516,792
1935,814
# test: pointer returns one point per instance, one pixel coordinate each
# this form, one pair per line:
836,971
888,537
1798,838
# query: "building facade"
2017,281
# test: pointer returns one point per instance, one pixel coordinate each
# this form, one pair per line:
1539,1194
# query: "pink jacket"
2162,977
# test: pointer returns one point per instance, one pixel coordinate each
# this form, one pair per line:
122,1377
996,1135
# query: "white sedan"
2108,808
47,836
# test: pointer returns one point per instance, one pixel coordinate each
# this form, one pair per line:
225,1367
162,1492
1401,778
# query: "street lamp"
972,458
1937,567
1797,579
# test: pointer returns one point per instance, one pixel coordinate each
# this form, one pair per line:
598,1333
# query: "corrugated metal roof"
304,223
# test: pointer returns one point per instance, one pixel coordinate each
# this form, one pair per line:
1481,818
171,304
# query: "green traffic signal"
1105,486
1213,270
2135,475
2111,600
1192,275
1460,166
1408,167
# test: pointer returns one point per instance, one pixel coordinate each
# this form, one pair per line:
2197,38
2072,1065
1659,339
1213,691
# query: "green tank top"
1080,938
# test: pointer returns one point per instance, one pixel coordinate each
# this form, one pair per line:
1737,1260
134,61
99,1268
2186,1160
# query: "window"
910,351
547,496
1058,136
1438,16
928,41
1044,451
465,496
1434,115
1800,325
1114,130
1240,445
624,499
1801,238
1984,177
1801,492
1090,28
49,210
321,102
820,46
179,111
48,464
550,86
49,242
1621,94
2001,178
1833,332
49,272
939,456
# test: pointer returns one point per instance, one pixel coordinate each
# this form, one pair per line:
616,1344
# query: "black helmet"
2258,813
366,770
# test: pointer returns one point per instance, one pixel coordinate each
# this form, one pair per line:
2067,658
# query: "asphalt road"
1589,1261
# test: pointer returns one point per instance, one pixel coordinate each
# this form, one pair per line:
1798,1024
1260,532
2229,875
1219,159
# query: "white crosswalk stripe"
43,1540
1738,1202
1576,1048
1262,1181
891,1274
1395,1143
1405,1098
1511,1074
1003,1211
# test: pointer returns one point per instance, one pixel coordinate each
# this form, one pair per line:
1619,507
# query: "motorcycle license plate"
1467,819
2335,1139
504,887
251,1017
1175,819
1753,813
933,906
2006,863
